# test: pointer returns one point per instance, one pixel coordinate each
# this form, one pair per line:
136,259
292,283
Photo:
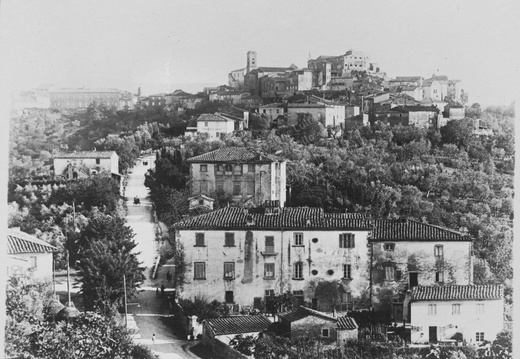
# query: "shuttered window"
347,240
199,270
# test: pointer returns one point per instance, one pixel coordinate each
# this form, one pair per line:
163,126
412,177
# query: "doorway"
414,279
433,334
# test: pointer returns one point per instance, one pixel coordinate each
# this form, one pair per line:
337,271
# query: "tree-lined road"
150,311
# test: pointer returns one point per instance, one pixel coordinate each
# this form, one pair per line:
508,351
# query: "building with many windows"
438,313
326,260
243,174
243,256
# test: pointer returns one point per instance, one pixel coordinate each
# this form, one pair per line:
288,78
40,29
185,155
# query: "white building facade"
439,313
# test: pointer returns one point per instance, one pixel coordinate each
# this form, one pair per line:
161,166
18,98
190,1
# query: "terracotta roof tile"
303,312
286,218
85,154
458,292
347,323
20,242
411,230
230,154
238,324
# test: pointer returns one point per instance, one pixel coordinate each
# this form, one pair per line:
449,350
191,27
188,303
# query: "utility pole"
126,309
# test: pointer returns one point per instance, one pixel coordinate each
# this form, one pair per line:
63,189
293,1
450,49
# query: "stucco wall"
268,180
215,126
344,335
105,164
249,262
21,264
422,119
311,326
468,322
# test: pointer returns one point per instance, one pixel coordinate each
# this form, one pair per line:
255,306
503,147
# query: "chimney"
249,220
334,313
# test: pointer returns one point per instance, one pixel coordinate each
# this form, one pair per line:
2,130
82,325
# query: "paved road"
150,311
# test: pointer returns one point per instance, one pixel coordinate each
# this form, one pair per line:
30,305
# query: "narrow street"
149,312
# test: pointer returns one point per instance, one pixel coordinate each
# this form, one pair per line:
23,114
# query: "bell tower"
251,61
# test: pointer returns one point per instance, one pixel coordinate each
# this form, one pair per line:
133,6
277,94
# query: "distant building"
243,174
329,114
71,98
28,255
418,116
272,111
438,313
218,124
81,164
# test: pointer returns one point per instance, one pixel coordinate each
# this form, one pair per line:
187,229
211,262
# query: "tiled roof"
303,312
230,154
85,154
458,292
238,324
411,230
20,242
272,69
213,117
347,323
286,218
417,108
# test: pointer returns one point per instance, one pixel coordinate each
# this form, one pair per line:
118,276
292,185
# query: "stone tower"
251,61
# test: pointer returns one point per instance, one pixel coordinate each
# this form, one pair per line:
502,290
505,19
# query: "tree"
106,254
244,344
458,132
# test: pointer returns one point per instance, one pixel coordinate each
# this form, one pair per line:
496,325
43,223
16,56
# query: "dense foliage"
31,332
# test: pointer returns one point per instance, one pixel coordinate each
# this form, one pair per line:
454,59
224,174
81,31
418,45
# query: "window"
479,336
229,270
219,169
432,309
389,246
229,240
220,186
98,161
203,168
389,273
298,239
298,270
347,271
325,332
237,189
237,170
229,168
480,308
269,244
229,296
34,262
199,270
199,240
250,168
439,277
298,297
455,309
438,251
250,188
269,270
205,123
269,292
346,240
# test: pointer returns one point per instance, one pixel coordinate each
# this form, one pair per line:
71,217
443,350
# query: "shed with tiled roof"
20,242
412,230
347,323
238,324
85,154
457,292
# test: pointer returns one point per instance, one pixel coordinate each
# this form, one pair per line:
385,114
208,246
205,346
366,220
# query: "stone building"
218,124
407,254
245,256
244,175
81,164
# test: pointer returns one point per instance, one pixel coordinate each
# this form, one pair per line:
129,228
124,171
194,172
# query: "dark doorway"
397,311
314,303
414,279
433,334
229,296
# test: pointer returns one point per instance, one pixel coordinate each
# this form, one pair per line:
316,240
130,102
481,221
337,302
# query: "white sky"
126,43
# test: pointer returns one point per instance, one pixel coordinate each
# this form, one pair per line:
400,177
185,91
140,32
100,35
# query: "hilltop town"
308,212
